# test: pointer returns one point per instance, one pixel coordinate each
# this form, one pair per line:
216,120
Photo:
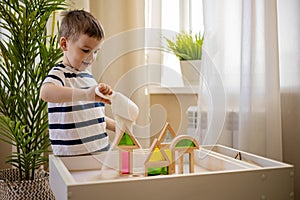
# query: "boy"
77,124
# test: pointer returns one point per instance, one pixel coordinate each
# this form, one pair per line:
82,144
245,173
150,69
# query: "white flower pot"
190,70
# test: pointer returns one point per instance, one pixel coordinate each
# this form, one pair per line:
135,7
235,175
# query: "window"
176,16
182,15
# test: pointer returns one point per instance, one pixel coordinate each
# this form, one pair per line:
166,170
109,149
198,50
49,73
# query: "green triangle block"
185,143
126,140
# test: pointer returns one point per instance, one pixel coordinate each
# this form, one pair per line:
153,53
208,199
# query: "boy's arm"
58,94
110,124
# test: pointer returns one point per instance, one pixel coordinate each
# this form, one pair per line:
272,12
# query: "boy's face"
80,53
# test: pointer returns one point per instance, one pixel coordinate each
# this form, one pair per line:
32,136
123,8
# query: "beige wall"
117,16
5,150
175,106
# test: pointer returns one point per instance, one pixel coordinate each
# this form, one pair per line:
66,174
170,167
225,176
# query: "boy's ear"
63,43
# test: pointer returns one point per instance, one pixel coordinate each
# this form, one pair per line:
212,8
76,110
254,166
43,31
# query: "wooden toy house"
169,148
164,140
126,143
157,161
184,144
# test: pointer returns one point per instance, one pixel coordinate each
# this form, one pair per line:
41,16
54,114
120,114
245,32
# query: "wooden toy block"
157,159
125,162
184,144
171,169
166,136
192,162
126,143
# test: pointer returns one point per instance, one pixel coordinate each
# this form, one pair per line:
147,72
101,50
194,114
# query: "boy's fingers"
105,89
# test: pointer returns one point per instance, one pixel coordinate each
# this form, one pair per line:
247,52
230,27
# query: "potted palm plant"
28,50
188,48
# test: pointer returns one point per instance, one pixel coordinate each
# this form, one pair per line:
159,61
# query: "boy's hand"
105,90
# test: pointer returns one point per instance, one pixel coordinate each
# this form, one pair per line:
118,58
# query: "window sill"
173,90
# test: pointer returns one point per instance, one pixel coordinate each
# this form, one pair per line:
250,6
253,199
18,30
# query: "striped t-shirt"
76,127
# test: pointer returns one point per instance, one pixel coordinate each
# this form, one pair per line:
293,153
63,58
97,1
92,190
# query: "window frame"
154,19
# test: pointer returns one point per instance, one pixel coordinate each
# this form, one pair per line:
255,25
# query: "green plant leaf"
27,53
185,46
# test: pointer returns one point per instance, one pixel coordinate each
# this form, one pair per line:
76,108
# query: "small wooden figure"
126,143
184,144
157,160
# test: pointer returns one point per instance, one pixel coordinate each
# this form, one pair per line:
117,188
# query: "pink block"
125,162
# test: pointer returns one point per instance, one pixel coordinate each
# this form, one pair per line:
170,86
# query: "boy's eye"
85,50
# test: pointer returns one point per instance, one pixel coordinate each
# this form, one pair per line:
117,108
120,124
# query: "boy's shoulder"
70,72
59,66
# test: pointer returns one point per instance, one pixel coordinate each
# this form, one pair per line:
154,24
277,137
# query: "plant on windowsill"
27,53
187,47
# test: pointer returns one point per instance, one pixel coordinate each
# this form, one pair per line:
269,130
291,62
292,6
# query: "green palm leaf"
27,54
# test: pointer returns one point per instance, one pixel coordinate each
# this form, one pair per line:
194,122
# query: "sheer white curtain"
289,60
241,42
